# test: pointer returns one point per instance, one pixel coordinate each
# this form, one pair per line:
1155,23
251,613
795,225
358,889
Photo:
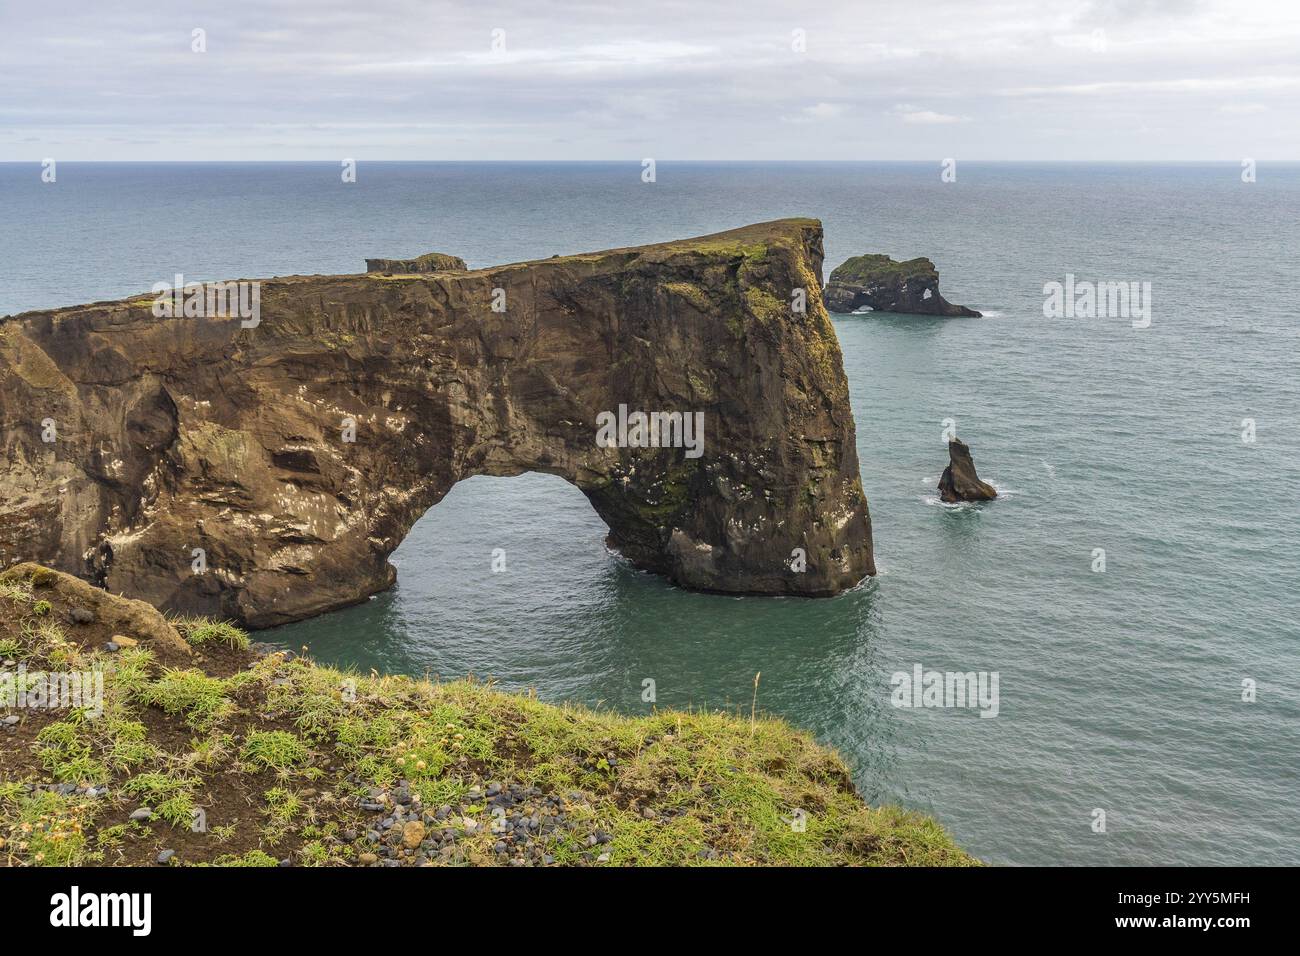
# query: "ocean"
1171,448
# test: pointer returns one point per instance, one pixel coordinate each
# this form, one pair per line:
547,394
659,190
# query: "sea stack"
959,481
910,287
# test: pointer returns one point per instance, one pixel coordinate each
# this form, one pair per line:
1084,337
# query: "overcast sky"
402,79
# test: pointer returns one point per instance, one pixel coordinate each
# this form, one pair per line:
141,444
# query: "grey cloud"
416,80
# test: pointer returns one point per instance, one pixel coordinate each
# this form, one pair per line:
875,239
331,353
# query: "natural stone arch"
183,433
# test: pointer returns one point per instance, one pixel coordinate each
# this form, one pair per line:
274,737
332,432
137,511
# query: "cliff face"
910,287
296,452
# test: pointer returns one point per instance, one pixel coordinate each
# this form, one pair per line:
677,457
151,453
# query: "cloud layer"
399,79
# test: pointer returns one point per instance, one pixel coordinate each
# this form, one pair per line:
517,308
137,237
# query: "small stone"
413,834
603,858
81,615
165,856
11,719
121,640
648,813
111,647
367,859
142,815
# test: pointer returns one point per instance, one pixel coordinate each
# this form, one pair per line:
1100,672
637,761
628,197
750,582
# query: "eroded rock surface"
959,481
264,474
429,262
877,281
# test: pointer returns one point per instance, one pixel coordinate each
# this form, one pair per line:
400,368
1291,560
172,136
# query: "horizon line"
756,162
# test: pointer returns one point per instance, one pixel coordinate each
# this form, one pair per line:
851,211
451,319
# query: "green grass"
720,791
46,829
201,630
274,750
201,700
869,269
170,796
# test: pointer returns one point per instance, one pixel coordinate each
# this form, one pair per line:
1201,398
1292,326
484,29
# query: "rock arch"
177,434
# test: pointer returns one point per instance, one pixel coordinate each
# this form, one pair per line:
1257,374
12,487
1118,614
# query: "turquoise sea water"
1119,690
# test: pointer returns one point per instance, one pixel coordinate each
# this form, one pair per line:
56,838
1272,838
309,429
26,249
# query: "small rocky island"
884,285
959,481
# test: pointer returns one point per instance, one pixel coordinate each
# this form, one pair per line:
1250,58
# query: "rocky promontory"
429,262
959,481
205,752
263,469
884,285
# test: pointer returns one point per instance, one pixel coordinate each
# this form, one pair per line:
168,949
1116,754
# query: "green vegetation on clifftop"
872,269
232,759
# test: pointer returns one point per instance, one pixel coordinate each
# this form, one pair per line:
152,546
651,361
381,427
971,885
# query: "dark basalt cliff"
296,453
910,287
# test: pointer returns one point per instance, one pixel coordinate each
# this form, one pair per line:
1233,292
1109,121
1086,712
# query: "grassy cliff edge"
206,752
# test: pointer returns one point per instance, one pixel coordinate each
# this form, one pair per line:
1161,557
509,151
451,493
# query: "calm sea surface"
1119,690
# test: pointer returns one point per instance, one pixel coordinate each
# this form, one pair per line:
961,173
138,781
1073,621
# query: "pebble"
81,615
648,813
142,815
11,719
111,647
165,856
413,834
523,821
